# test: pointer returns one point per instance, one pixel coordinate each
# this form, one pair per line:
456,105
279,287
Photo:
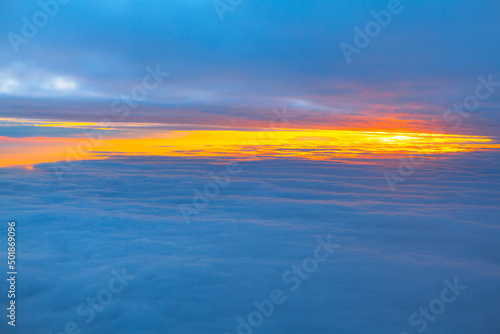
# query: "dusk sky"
208,147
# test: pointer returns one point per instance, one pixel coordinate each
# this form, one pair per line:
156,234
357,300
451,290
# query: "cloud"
27,81
396,248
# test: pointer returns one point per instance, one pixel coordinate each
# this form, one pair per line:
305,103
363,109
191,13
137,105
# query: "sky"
206,146
197,65
261,56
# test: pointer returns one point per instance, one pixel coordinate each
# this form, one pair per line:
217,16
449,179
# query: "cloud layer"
395,248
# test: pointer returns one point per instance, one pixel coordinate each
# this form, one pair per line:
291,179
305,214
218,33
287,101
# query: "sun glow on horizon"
266,144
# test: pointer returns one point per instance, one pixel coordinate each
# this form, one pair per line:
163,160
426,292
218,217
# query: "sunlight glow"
289,143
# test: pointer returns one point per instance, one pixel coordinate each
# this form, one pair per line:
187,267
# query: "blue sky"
262,55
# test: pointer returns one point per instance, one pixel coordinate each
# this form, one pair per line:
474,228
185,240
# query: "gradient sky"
264,55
